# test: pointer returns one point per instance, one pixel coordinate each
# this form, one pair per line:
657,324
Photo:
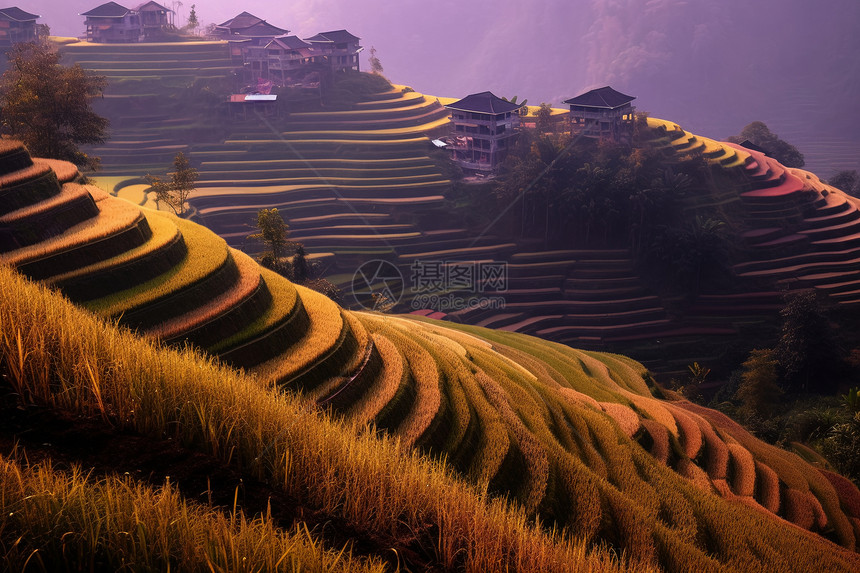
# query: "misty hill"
363,182
580,439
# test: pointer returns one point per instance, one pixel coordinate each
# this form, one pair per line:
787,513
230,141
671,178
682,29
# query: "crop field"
204,257
164,233
500,447
248,282
114,216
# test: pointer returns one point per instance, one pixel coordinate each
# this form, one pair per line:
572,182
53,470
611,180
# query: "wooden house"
155,19
283,60
602,113
339,48
112,23
484,129
16,26
248,29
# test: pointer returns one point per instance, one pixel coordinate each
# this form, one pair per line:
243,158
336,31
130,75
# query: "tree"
273,232
544,118
48,106
176,191
847,181
692,390
192,23
301,269
758,133
375,65
759,390
807,350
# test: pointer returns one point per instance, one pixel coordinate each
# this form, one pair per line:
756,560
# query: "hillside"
362,182
580,440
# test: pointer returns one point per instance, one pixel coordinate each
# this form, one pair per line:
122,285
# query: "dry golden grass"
65,170
767,483
164,232
375,484
114,216
206,254
536,459
69,521
425,374
69,192
742,470
660,439
284,298
326,326
32,172
248,282
696,475
627,419
371,403
362,339
690,435
716,452
798,510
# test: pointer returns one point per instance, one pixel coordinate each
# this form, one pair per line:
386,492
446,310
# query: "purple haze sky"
711,66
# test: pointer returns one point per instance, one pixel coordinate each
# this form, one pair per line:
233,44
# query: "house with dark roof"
284,60
602,113
249,29
16,26
485,127
155,19
339,47
112,23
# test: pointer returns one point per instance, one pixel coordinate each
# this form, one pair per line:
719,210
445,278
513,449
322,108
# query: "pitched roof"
18,15
152,6
290,43
484,102
243,20
108,10
246,24
334,36
261,29
604,97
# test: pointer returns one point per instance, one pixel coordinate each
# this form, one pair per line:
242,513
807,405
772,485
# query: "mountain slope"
576,438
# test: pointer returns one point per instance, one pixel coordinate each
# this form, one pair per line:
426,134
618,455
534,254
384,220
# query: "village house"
602,113
243,32
339,48
112,23
155,19
283,60
16,26
484,129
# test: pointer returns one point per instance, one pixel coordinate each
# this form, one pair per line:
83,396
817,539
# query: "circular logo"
377,285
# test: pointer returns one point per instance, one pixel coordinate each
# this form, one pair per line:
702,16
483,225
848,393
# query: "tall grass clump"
68,521
61,356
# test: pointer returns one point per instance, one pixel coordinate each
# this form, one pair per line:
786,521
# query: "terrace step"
497,320
601,283
582,307
569,333
795,262
606,294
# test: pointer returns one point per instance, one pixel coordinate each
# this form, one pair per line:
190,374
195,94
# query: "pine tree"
192,24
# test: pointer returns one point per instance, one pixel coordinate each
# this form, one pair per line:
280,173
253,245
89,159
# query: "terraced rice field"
574,437
359,184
